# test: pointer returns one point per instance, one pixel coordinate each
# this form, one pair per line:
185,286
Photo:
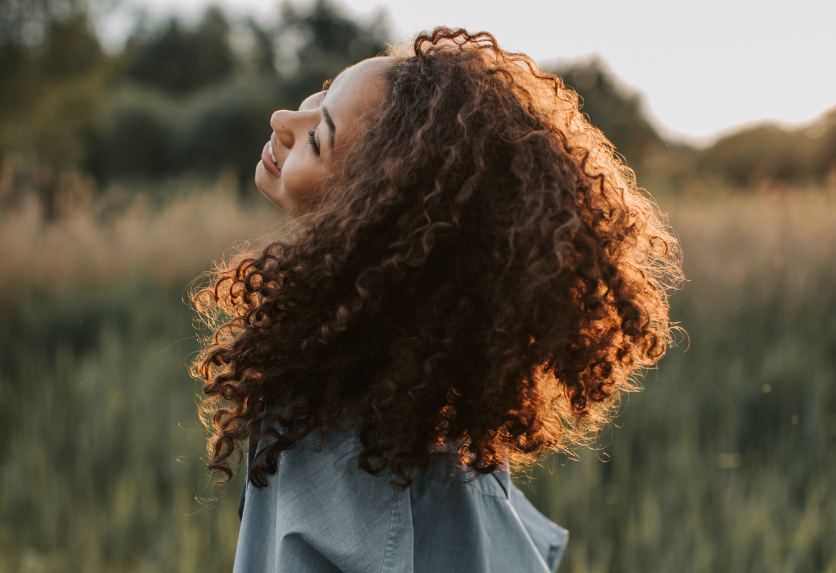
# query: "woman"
471,281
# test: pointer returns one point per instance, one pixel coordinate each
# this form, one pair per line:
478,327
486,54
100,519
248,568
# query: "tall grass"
166,233
101,450
724,462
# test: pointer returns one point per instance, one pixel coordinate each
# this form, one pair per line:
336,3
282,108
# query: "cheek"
300,178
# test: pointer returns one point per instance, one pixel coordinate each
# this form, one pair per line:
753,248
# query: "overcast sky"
705,68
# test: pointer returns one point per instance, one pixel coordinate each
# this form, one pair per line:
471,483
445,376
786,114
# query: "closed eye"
312,141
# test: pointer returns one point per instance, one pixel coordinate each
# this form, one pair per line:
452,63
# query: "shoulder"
320,512
479,525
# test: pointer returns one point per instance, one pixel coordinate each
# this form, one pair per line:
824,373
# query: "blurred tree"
180,61
613,110
768,152
196,101
135,140
27,22
53,74
50,63
72,70
171,117
227,129
261,53
317,45
825,131
43,40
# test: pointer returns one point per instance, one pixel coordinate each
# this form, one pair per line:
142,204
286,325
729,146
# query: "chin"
260,177
264,184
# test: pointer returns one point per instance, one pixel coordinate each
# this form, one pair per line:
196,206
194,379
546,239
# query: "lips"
268,162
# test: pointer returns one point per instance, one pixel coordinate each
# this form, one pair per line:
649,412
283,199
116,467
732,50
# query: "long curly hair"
482,272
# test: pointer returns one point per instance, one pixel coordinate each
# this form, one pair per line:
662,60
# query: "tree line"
178,99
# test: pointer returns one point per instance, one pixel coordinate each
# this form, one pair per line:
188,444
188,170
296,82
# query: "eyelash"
312,141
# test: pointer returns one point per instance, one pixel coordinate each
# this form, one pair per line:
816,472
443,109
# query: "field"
725,462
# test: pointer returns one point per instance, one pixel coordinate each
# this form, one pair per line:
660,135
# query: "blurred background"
129,133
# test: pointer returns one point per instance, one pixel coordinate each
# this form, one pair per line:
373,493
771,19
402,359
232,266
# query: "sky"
704,69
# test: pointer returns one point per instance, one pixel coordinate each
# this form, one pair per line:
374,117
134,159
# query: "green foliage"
180,61
53,96
66,105
149,134
759,154
228,127
324,43
612,109
27,22
176,100
135,139
768,152
183,105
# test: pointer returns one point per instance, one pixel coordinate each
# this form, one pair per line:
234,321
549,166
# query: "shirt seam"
394,519
502,485
493,492
528,536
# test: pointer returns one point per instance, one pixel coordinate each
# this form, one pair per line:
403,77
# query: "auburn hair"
482,272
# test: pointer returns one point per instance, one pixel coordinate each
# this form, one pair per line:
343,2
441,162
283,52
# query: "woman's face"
307,144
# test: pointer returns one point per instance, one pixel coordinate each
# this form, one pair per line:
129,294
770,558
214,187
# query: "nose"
283,123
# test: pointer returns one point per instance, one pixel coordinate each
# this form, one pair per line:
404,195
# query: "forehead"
358,87
353,94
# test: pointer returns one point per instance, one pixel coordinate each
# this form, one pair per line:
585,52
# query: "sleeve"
321,514
479,526
549,538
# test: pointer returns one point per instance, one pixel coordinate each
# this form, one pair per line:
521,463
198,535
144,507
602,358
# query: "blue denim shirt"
320,513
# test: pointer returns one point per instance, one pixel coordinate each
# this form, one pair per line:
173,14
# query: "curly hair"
482,272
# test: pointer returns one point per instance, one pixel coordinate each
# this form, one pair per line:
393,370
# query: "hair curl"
482,272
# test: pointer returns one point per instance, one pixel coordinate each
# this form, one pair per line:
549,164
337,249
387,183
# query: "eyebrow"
331,125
